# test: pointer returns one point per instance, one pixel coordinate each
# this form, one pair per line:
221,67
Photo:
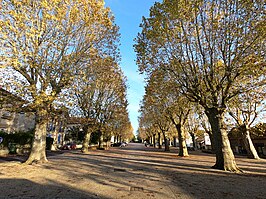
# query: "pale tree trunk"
182,142
225,159
38,152
55,134
159,140
86,140
211,137
252,153
101,140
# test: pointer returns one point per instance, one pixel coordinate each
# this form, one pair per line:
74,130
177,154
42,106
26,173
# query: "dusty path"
131,172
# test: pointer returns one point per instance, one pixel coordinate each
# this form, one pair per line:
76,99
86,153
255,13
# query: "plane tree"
211,49
152,120
43,43
193,127
177,111
122,129
162,98
245,110
147,127
99,96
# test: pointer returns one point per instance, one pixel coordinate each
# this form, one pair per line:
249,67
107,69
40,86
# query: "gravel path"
131,172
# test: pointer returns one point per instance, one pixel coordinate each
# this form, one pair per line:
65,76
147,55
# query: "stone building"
10,119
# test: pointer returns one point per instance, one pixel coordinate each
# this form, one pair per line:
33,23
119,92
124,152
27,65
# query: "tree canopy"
213,50
44,44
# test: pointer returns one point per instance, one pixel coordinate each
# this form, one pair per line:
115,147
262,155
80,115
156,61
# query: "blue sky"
128,15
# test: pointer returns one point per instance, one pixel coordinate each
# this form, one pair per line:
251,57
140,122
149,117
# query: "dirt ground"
131,172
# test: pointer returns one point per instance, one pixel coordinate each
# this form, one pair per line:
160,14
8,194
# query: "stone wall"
16,122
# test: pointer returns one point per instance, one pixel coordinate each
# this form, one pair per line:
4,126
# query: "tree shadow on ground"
24,157
24,189
183,180
126,174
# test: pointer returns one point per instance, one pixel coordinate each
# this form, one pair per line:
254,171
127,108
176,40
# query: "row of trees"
62,53
206,54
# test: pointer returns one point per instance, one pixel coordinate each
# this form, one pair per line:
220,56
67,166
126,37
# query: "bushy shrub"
95,137
20,138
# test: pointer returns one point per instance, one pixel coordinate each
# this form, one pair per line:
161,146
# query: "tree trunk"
159,141
166,143
225,159
154,140
182,142
252,153
55,135
193,140
38,153
86,140
175,144
101,140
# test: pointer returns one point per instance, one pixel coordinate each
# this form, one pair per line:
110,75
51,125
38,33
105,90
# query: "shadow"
154,154
24,157
134,172
172,178
23,188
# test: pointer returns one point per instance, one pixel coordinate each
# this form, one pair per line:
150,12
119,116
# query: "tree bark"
55,135
154,140
38,152
101,142
182,142
86,140
193,140
159,141
175,144
225,159
252,153
166,143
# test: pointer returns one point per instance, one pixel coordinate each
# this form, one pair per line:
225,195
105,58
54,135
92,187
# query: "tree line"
203,57
64,55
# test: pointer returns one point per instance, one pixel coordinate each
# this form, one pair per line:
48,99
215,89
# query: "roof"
8,98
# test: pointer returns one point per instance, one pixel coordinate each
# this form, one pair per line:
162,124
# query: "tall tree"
163,101
193,126
43,43
245,109
100,95
211,49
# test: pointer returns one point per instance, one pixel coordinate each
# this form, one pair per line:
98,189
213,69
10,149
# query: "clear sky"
128,15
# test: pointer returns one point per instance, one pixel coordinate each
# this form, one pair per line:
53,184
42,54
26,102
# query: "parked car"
116,144
123,144
119,144
69,146
147,144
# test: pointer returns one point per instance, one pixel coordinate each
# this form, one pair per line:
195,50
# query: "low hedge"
20,138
